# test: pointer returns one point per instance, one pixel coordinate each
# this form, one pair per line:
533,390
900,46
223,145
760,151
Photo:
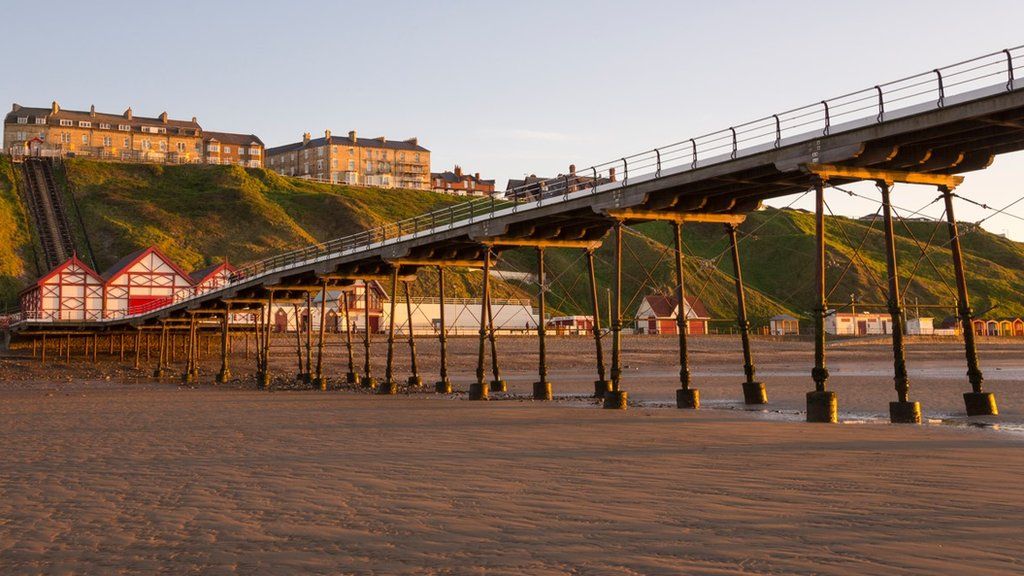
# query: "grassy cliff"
202,214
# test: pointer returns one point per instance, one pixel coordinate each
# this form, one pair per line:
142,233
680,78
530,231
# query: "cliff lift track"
47,208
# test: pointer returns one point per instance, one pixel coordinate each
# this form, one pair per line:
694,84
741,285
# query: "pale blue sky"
502,89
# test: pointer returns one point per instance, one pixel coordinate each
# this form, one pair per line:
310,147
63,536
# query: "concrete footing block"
263,379
542,391
443,387
754,393
414,381
905,412
188,378
368,382
320,383
981,404
822,406
499,386
615,400
388,387
688,398
223,376
351,377
478,391
602,386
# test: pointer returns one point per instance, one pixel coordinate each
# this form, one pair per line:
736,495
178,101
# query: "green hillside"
202,214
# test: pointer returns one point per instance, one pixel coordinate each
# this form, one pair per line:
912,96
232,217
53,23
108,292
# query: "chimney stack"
194,121
476,176
327,135
305,138
128,113
163,117
611,174
15,107
352,136
458,171
54,108
382,139
572,169
414,141
92,110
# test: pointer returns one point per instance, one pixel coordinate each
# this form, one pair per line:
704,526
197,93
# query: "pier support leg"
616,398
42,350
497,384
351,377
188,376
903,411
686,397
368,380
601,385
95,346
67,356
308,374
318,374
121,345
137,351
266,319
822,405
754,392
301,373
444,385
389,386
225,372
977,401
478,390
158,372
541,388
414,380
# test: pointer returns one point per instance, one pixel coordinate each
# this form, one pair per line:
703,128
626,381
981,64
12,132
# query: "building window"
319,164
254,151
22,119
213,147
417,157
124,127
320,151
163,146
369,166
107,141
351,151
146,145
84,124
40,120
66,123
104,126
334,163
85,139
181,147
65,138
351,165
127,142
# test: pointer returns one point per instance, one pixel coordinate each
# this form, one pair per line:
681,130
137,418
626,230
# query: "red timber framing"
142,281
213,278
71,291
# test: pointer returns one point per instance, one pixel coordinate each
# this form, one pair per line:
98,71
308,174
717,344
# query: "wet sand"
124,475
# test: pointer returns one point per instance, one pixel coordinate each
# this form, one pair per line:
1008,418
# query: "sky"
503,89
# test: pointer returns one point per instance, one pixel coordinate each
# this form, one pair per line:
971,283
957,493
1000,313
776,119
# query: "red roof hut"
71,291
144,280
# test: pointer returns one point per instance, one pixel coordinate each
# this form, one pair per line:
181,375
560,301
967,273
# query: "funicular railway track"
47,208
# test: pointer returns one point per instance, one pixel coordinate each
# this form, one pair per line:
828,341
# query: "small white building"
857,324
920,326
783,325
462,316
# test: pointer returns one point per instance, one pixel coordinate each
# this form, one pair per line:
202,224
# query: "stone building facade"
353,160
121,137
461,184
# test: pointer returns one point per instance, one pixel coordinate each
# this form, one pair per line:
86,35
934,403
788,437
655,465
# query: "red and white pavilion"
212,277
71,291
144,280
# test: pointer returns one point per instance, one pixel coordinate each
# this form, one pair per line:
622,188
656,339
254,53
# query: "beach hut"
71,291
571,324
921,326
783,325
142,281
657,315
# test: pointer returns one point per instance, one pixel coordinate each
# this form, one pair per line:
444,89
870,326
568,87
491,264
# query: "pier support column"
188,376
822,405
42,350
161,356
368,380
67,355
308,374
616,398
389,386
351,377
444,385
137,351
754,392
95,345
225,372
266,320
497,384
414,380
301,374
121,345
318,374
541,388
686,397
601,385
903,411
478,390
977,401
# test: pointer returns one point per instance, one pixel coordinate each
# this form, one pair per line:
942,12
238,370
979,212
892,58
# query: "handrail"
806,122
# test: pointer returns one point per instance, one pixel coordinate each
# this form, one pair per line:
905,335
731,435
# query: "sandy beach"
105,471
